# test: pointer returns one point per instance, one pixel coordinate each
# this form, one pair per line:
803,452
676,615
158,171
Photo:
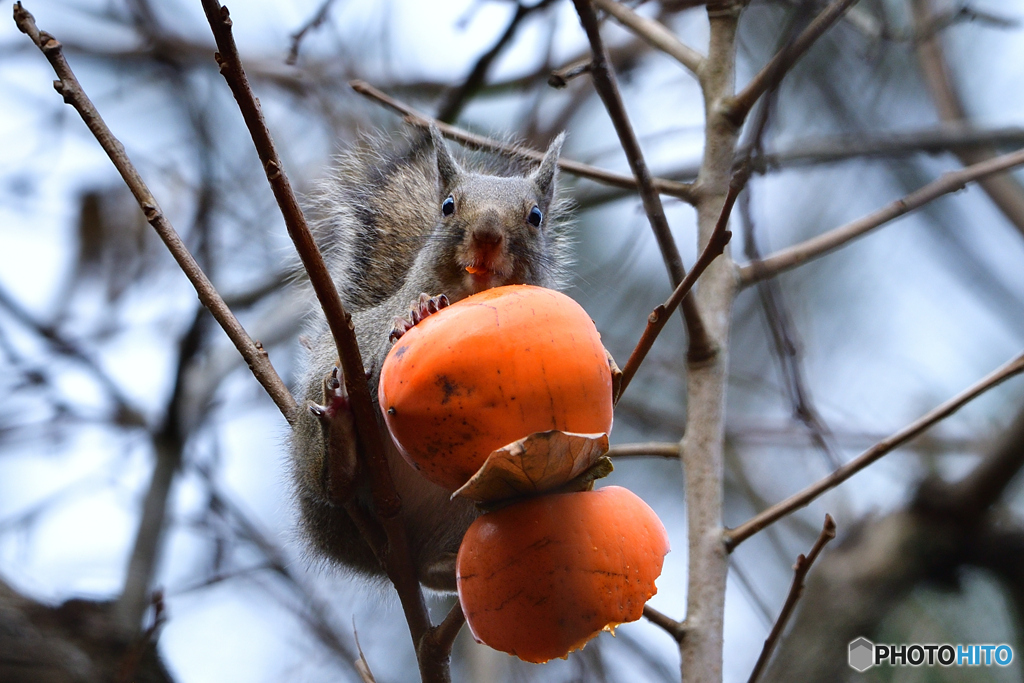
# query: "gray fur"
380,226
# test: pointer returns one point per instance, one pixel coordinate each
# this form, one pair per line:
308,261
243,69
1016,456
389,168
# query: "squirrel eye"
535,217
448,206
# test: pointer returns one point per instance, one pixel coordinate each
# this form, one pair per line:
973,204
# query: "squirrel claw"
335,397
335,418
421,309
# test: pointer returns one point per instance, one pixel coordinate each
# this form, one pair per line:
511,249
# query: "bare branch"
71,90
954,137
797,255
559,78
703,447
435,648
456,98
676,629
1006,192
654,34
168,446
660,450
739,106
314,22
803,565
659,316
787,349
397,559
701,346
975,493
733,537
127,414
683,191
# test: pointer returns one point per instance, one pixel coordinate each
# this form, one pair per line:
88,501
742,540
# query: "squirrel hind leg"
424,307
338,425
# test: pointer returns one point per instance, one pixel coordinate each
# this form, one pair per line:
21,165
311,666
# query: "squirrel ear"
544,176
447,168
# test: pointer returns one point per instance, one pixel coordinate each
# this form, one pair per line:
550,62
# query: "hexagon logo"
862,654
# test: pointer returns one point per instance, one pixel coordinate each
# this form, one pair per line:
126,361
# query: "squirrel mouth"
480,277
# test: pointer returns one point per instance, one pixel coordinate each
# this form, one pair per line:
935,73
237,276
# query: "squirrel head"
493,230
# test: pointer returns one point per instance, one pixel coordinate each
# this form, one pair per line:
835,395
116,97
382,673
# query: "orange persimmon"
540,578
493,368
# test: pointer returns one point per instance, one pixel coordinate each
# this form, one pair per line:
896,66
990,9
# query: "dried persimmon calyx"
422,308
542,462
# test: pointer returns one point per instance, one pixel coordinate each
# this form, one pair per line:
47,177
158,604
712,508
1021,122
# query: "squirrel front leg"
341,462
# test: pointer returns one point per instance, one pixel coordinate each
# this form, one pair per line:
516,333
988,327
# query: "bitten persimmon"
540,578
489,370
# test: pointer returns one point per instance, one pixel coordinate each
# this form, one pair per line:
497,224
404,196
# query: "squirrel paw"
422,308
335,397
336,421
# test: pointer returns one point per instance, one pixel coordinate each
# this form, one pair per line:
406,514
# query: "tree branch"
435,648
397,560
737,108
69,87
797,255
803,565
1005,191
701,347
676,629
703,444
659,316
733,537
683,191
654,34
456,98
661,450
318,18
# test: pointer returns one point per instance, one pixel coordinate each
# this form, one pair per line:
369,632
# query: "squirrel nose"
487,232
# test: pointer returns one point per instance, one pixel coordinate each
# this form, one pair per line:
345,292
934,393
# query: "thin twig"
127,414
787,349
660,450
735,536
676,629
69,87
559,78
397,560
659,316
683,191
654,34
803,565
739,106
314,22
701,347
797,255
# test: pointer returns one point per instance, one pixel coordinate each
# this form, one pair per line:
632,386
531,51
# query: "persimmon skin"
493,368
540,578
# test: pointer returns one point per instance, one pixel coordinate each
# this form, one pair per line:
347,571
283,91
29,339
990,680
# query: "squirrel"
405,230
